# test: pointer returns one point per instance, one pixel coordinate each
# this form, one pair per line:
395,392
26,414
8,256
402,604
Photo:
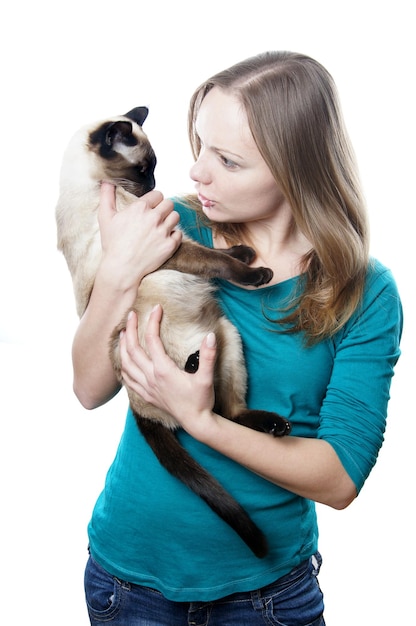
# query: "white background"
65,64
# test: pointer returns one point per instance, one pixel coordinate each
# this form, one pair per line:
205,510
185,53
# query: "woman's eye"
228,163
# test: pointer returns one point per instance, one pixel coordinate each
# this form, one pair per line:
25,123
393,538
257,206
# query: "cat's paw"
264,421
242,253
192,364
257,276
275,425
281,428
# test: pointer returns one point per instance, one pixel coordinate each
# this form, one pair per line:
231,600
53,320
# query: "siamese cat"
117,150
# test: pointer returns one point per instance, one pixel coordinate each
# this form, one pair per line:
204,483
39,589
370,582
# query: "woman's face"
233,182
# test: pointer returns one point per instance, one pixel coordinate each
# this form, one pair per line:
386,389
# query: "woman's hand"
138,239
151,373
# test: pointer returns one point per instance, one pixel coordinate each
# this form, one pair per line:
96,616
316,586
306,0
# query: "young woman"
274,170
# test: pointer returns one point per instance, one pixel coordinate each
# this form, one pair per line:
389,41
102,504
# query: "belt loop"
257,599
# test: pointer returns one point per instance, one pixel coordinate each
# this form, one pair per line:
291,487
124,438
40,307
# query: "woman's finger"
131,333
153,341
207,359
107,207
135,362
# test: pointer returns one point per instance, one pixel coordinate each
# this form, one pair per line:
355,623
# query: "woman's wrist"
115,278
205,428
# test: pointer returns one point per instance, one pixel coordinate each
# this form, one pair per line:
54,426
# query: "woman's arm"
308,467
135,242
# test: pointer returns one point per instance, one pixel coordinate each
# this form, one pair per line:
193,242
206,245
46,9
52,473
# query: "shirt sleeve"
354,412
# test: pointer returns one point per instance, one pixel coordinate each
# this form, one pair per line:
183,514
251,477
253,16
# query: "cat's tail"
176,460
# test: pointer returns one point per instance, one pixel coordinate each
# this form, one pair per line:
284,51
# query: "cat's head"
123,153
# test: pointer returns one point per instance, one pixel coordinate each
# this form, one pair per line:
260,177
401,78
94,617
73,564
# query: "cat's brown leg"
195,259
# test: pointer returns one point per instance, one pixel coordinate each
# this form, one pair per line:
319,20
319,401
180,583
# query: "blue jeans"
293,600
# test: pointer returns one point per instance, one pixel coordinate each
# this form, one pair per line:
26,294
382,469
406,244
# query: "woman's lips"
205,201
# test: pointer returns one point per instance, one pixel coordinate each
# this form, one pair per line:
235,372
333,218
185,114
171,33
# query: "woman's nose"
199,171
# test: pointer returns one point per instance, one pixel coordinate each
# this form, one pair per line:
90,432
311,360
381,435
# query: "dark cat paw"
257,276
273,424
253,276
242,253
281,427
192,364
265,422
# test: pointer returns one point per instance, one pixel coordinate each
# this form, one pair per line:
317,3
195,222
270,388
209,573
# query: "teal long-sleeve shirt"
149,529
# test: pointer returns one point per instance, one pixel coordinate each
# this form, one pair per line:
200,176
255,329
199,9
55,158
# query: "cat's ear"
138,115
118,132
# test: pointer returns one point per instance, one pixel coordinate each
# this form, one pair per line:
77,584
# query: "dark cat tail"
176,460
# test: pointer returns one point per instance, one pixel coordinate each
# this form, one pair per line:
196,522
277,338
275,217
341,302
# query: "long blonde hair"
294,115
